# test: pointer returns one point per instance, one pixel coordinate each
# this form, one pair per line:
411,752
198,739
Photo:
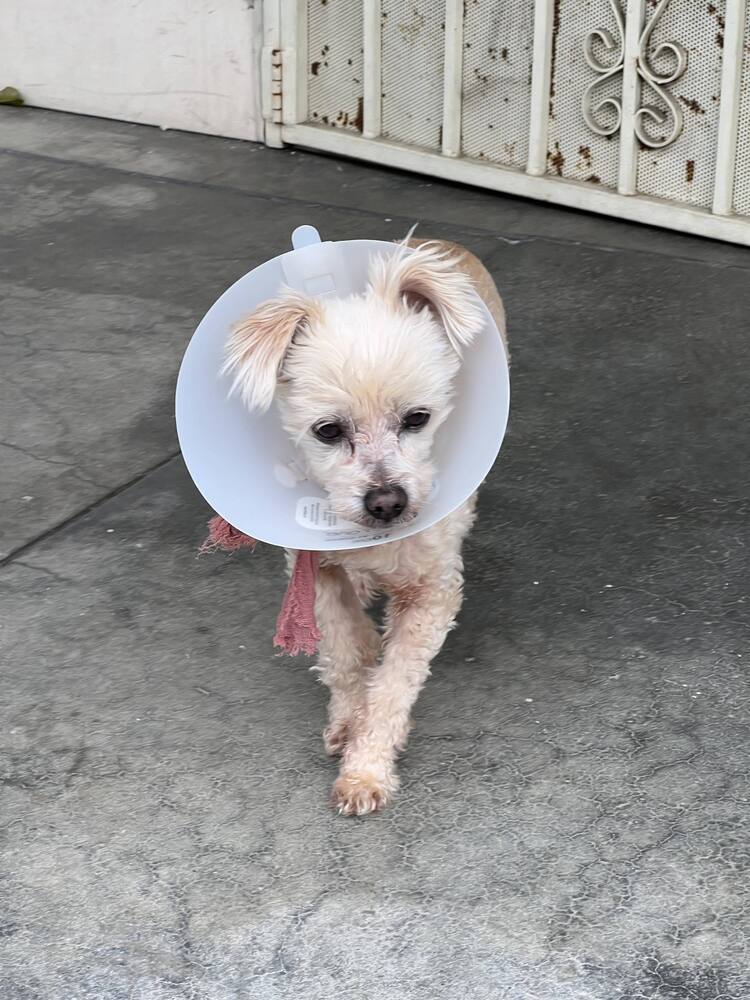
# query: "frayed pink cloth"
296,627
223,535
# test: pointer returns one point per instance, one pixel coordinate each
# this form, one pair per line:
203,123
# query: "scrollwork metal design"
655,79
658,81
605,37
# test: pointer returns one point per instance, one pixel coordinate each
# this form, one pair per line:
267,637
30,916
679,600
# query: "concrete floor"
574,812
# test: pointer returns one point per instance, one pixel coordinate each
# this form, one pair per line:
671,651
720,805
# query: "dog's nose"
386,502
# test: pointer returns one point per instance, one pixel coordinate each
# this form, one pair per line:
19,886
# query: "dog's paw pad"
358,795
335,738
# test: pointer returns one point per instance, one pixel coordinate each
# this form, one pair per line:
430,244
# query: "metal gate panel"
686,172
412,53
335,64
742,168
639,109
580,36
496,82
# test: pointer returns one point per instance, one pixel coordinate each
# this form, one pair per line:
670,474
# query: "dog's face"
366,388
364,383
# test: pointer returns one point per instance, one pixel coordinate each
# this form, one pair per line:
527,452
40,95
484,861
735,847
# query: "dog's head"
363,383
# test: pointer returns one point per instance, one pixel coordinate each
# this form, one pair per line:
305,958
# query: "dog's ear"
431,277
257,346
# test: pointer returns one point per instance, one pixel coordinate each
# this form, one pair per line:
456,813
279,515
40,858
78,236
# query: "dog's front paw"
356,794
335,738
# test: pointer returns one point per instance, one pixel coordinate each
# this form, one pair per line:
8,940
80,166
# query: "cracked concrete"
572,824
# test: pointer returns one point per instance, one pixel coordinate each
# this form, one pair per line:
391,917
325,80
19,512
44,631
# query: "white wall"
187,64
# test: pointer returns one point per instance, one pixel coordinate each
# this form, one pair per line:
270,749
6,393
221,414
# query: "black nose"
386,502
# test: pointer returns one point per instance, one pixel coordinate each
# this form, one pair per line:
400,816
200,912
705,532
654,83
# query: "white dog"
362,385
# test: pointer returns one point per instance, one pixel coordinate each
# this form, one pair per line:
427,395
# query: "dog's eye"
328,432
415,420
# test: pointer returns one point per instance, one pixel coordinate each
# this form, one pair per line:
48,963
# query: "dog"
362,384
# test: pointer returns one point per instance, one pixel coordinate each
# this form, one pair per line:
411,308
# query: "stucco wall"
187,64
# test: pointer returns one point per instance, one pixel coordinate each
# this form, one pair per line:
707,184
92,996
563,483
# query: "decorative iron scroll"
605,37
657,80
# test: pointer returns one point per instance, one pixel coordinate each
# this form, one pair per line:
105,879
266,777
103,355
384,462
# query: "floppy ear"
431,277
257,347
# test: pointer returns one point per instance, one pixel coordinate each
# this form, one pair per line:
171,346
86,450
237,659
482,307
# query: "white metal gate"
634,108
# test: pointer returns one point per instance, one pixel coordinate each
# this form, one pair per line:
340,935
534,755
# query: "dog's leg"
349,648
418,621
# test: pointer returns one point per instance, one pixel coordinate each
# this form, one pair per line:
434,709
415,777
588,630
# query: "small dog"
362,385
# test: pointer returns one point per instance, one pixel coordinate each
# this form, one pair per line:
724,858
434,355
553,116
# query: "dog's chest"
396,561
427,556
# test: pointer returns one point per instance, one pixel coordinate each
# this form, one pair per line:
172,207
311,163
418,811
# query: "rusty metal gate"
633,108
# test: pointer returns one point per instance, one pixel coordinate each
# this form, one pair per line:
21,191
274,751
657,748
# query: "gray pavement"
573,818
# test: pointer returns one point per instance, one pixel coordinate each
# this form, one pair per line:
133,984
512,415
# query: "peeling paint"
553,57
557,160
692,104
712,10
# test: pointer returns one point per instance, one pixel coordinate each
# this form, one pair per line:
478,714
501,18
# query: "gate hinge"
272,106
